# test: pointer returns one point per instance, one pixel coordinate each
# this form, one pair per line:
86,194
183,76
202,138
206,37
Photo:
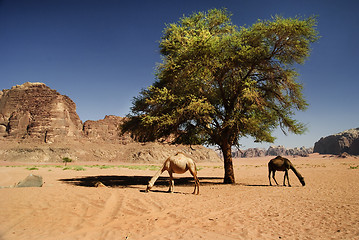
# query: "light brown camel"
178,163
282,164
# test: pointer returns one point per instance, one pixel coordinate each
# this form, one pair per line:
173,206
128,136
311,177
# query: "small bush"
79,168
66,160
106,166
32,168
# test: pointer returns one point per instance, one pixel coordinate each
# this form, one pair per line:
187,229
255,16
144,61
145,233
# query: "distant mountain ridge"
272,151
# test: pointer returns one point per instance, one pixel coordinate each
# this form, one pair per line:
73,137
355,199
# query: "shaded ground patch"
131,181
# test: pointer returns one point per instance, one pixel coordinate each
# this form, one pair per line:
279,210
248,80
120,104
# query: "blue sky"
101,53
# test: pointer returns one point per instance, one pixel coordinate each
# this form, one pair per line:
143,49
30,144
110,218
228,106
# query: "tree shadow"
135,181
256,185
267,185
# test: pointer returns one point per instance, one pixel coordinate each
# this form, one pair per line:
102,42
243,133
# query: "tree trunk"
228,164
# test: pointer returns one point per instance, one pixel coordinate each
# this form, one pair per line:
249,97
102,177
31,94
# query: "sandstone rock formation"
276,151
249,153
33,110
282,151
106,129
273,151
346,141
39,124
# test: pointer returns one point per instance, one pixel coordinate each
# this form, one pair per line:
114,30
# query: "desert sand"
69,206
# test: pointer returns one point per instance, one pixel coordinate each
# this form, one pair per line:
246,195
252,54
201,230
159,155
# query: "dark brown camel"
282,164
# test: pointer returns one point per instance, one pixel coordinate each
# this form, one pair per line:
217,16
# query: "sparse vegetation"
83,168
106,166
79,168
141,167
32,168
66,160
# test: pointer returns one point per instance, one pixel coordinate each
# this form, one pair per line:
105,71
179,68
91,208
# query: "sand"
68,206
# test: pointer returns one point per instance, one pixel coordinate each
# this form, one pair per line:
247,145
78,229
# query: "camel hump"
280,158
180,153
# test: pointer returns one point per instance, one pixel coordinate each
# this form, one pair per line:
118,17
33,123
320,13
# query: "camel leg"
196,184
196,181
274,177
270,183
286,175
171,182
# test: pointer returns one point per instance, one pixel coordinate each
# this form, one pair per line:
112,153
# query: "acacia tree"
218,83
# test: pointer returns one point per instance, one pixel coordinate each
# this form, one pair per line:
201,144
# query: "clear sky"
101,53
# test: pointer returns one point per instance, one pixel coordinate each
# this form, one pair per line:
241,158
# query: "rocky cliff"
33,110
39,124
106,130
343,142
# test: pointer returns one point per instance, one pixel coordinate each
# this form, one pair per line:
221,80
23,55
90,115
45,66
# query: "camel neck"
156,176
296,172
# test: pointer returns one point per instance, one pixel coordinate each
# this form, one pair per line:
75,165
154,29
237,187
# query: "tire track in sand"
99,221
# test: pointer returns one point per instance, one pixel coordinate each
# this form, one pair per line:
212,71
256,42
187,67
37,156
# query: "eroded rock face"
106,129
33,110
38,124
346,141
273,151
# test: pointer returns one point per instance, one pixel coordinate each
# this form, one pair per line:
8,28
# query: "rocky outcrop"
276,151
38,124
249,153
106,129
282,151
344,142
31,181
33,110
273,151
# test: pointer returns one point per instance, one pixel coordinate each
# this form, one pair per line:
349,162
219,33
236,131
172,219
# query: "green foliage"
79,168
106,166
216,79
76,168
66,160
218,83
32,168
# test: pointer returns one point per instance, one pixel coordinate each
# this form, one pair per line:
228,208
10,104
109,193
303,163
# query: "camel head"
302,181
149,186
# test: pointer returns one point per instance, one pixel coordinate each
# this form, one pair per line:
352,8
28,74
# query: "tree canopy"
218,83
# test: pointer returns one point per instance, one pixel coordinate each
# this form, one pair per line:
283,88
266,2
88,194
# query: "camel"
178,163
283,164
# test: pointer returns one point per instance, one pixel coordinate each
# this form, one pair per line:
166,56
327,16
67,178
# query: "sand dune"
68,206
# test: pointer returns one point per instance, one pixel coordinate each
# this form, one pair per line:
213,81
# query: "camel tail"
299,176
